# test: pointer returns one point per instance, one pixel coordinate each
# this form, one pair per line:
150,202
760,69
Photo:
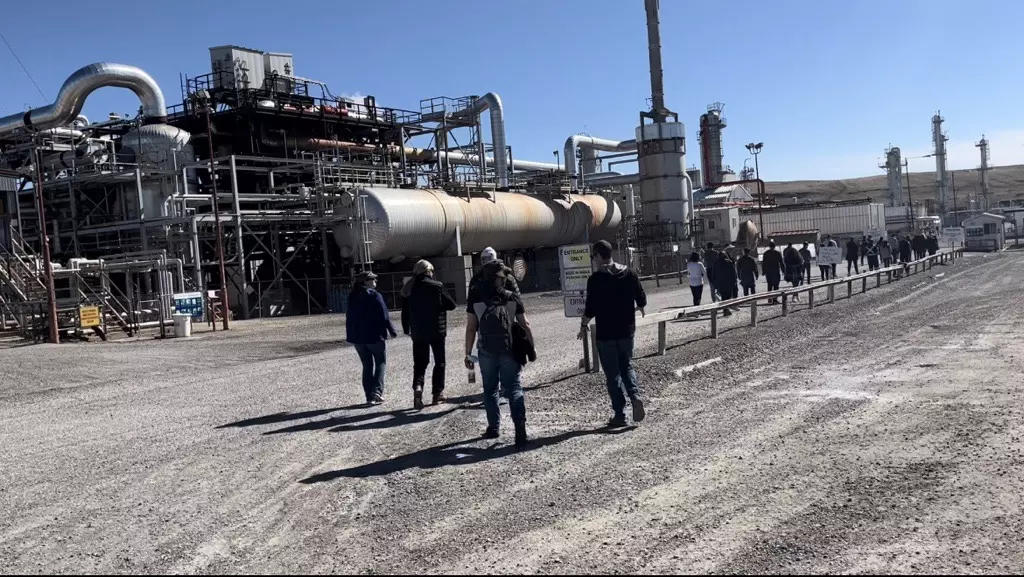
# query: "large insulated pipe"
492,102
77,88
419,154
583,141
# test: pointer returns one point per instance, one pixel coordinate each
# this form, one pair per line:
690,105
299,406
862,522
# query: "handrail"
661,318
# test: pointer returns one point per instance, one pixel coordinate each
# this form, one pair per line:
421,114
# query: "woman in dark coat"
724,278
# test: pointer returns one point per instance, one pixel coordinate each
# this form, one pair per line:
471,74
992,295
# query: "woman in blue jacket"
367,326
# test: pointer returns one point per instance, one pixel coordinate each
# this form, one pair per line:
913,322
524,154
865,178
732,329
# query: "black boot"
521,438
417,399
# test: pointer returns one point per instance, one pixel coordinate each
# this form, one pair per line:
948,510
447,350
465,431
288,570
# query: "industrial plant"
261,193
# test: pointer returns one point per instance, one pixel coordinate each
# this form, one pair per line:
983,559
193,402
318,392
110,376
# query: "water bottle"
471,374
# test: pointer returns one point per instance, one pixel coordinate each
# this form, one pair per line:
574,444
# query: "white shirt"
696,272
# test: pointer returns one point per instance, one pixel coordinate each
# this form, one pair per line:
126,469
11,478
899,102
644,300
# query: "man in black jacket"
772,267
746,268
425,309
710,258
614,294
724,275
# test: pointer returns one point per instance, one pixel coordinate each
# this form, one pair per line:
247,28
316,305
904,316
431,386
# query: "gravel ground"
879,434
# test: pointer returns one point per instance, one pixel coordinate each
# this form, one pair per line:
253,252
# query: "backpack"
495,326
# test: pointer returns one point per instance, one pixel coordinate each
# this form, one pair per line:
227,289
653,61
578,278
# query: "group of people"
497,326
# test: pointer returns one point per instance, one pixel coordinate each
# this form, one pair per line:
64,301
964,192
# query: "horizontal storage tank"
406,223
835,220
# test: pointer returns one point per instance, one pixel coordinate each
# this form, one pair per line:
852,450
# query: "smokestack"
658,111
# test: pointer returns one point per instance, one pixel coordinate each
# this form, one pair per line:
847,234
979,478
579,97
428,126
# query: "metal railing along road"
662,318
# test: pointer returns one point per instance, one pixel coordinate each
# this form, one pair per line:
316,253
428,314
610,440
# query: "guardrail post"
753,313
849,288
662,338
878,280
888,277
864,284
714,324
785,304
810,299
831,293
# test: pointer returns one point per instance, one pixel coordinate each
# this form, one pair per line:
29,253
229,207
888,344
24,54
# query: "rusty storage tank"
405,223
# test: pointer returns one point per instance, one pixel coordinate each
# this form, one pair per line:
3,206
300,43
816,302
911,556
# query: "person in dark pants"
697,274
829,241
794,264
865,241
425,309
805,253
491,315
906,250
851,257
367,326
746,268
872,256
772,268
710,257
614,294
920,245
824,269
885,252
724,275
933,244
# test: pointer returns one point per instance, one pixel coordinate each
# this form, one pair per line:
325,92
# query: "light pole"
755,149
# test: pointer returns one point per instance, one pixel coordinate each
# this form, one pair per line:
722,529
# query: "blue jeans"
503,369
375,363
617,360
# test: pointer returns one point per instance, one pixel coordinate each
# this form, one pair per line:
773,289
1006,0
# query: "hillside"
1006,182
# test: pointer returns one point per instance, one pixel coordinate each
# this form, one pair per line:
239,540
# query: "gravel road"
882,433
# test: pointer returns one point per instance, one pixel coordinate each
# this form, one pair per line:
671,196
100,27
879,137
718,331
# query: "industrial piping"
77,88
583,141
492,102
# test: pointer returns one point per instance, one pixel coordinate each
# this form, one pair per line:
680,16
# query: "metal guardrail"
662,318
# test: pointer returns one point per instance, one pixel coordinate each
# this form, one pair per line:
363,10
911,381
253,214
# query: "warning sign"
574,262
89,317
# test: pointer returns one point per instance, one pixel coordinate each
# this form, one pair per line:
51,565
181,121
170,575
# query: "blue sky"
826,85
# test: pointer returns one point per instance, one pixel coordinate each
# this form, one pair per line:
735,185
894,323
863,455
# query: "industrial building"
267,185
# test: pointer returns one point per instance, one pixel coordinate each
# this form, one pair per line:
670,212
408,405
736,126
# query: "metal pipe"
51,293
583,141
492,102
77,88
658,111
616,180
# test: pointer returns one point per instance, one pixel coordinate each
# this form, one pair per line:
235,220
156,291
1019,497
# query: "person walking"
794,267
746,268
920,246
823,269
489,255
885,252
492,315
851,257
829,241
805,253
906,250
614,294
772,268
425,308
710,258
367,326
865,241
873,255
697,274
933,244
724,275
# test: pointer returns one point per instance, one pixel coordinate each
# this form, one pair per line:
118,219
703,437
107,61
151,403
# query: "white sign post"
829,255
952,236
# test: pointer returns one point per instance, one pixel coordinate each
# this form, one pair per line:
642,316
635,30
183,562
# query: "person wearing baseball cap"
367,326
614,294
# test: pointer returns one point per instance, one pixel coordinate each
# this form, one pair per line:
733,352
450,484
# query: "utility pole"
956,215
216,217
755,149
910,198
51,293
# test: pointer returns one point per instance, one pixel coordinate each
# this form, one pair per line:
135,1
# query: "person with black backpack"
425,308
614,294
497,316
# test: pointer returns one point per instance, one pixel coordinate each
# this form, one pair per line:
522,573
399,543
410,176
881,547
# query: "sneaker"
417,400
521,439
639,413
491,433
377,400
617,421
439,399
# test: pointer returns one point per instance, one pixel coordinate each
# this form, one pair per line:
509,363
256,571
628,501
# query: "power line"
22,64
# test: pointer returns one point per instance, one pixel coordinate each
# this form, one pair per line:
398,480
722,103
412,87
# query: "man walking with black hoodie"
614,293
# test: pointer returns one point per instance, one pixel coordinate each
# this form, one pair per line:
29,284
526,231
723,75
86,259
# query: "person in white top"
698,274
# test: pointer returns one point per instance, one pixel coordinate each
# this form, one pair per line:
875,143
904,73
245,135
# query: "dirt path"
882,433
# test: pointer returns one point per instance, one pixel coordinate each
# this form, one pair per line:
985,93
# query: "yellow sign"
89,317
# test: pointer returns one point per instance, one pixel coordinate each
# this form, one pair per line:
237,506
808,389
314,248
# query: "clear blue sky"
826,85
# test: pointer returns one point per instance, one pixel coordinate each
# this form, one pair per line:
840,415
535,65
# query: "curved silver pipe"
492,102
77,88
583,141
614,180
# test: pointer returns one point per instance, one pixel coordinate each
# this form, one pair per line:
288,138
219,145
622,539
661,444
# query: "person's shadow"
457,453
